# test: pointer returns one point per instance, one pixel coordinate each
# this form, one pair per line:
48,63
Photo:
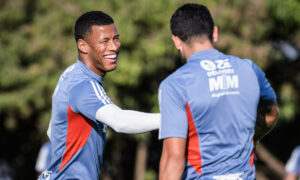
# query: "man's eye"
104,41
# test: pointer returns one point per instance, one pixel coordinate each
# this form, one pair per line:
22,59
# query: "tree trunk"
140,161
272,163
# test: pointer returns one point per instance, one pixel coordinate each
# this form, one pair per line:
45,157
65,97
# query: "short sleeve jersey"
293,164
212,102
77,138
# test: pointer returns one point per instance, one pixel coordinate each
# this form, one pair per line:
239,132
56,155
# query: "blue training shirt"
293,164
77,138
212,102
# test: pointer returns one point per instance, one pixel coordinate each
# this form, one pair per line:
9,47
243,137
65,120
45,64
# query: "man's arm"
172,160
127,121
266,120
90,99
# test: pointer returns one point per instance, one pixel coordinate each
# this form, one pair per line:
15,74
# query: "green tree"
37,44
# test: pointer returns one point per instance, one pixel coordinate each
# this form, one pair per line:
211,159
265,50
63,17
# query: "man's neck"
195,47
88,63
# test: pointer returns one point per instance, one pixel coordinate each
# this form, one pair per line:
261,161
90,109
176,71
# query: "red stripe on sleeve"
79,129
193,148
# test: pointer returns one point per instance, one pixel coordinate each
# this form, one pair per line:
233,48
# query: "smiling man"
81,110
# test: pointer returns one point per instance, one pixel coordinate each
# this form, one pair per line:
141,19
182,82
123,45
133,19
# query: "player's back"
222,94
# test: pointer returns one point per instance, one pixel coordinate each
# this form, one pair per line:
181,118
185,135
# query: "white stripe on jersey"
103,94
101,98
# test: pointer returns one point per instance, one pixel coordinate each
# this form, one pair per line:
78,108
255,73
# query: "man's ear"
177,42
215,34
82,46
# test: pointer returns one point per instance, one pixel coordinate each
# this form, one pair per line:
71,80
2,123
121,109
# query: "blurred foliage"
37,44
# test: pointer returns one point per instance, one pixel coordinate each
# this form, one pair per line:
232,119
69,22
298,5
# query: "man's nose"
114,45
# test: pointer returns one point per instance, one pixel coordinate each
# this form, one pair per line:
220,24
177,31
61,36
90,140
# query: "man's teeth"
111,56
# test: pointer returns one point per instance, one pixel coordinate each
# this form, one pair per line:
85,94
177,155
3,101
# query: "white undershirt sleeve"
42,158
127,121
49,130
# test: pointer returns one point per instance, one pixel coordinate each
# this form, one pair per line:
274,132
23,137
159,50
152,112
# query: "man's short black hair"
192,20
84,23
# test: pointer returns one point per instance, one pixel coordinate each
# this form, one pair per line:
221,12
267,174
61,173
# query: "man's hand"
266,120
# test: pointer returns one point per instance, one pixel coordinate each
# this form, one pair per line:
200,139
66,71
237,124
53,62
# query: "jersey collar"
89,71
205,54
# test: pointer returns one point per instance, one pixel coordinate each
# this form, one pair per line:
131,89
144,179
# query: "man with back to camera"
209,106
80,107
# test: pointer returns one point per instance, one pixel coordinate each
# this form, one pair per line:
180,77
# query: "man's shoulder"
84,86
73,71
241,63
239,59
74,76
174,78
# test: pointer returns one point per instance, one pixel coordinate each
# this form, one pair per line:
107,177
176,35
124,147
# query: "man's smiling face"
103,48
